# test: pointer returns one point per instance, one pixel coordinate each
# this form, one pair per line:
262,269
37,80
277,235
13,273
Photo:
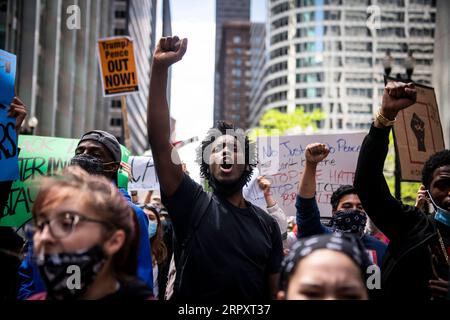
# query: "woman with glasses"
85,240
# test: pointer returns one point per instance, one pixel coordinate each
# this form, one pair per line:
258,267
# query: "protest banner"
41,157
8,138
118,66
282,159
418,134
143,174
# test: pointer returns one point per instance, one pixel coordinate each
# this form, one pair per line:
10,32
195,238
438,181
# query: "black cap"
106,139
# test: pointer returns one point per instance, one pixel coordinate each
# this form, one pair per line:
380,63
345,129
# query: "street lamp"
33,123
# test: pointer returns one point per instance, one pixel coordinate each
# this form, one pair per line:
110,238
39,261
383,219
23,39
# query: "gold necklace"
443,248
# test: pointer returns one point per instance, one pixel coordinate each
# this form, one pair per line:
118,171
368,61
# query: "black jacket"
407,265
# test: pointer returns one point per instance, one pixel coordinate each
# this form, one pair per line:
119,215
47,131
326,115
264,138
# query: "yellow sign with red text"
118,66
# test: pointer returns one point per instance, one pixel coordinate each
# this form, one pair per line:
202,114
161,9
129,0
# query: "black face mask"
60,271
227,189
349,221
91,164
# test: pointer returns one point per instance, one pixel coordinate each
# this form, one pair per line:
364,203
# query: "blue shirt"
308,224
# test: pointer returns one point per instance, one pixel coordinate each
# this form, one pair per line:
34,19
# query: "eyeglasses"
64,224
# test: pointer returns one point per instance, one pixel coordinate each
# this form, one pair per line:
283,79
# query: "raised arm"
308,215
383,209
167,163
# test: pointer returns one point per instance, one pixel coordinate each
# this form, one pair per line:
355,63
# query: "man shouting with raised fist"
226,248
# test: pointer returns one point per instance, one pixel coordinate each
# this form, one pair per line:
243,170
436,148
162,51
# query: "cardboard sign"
118,66
8,139
282,159
41,157
418,134
143,174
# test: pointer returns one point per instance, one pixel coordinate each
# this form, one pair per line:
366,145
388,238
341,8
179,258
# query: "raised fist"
169,51
397,96
316,152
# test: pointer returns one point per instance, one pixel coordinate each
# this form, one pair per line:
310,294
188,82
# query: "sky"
193,78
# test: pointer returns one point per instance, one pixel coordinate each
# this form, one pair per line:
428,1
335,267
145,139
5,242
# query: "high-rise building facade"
137,19
226,10
234,69
441,76
58,76
322,55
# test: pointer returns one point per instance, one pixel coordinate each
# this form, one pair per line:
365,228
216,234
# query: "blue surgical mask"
441,215
152,227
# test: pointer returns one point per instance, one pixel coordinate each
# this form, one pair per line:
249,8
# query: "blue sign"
9,168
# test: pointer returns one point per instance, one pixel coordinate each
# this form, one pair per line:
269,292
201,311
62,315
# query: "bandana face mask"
349,221
67,276
91,164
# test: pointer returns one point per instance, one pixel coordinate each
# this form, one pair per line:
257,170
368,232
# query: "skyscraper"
234,69
137,19
226,10
58,75
322,55
441,76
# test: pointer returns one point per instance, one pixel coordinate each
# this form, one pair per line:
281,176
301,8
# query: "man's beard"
227,189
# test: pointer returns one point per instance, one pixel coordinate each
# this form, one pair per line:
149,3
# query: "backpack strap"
201,207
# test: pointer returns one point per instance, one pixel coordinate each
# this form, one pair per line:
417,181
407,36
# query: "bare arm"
314,154
167,162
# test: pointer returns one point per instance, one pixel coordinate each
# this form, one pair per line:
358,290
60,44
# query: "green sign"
41,157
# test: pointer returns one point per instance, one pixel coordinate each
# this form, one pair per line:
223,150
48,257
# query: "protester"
229,249
416,262
11,244
348,214
99,153
325,267
409,65
159,249
387,63
85,239
273,209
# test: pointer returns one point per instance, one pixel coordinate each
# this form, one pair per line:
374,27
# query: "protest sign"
118,66
8,139
40,157
143,174
282,159
418,134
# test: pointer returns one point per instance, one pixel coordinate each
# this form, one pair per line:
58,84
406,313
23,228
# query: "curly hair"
224,128
437,160
339,193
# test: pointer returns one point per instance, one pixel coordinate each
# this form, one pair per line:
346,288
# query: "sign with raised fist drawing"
418,134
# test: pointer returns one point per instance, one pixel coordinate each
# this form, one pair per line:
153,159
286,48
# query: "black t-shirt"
233,251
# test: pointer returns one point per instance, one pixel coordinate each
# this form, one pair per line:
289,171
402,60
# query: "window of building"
116,104
116,122
237,39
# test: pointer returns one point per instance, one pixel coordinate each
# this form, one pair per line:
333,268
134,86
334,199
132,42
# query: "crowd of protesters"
189,244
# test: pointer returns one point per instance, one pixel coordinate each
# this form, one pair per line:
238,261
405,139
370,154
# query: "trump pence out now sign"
118,66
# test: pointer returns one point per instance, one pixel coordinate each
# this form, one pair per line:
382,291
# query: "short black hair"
220,129
339,193
437,160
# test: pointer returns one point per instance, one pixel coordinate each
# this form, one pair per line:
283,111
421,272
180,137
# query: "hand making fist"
397,96
169,51
316,152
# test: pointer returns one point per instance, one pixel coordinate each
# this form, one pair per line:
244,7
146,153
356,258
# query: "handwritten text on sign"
8,140
282,159
118,66
40,157
144,174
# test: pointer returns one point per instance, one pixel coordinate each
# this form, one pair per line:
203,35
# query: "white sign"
144,174
282,159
